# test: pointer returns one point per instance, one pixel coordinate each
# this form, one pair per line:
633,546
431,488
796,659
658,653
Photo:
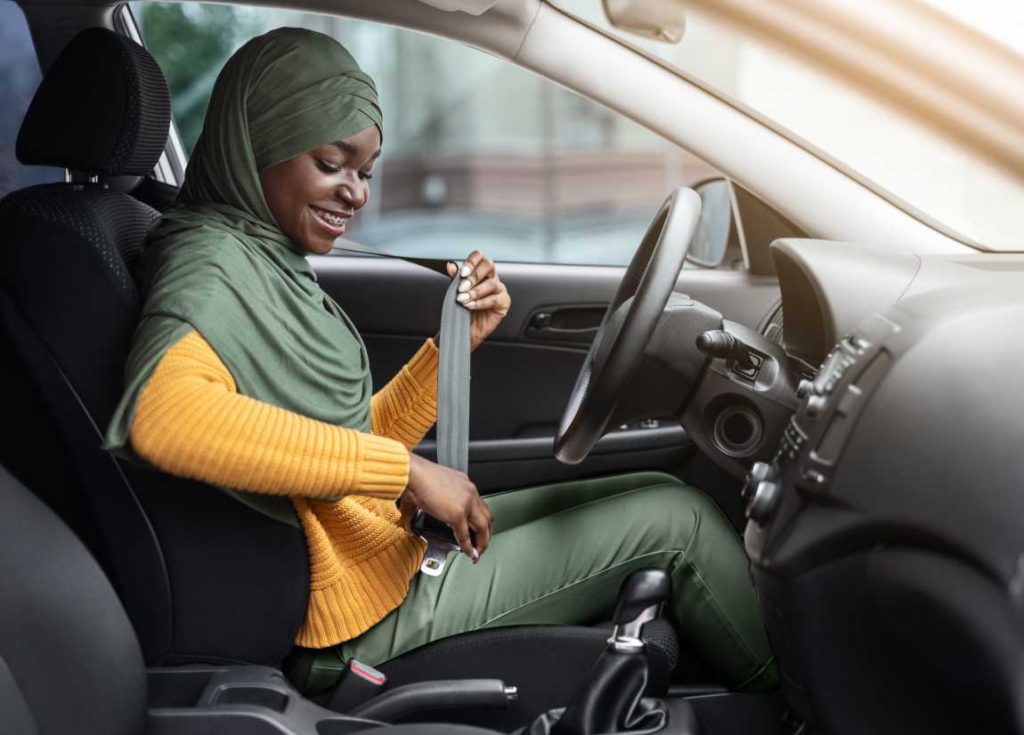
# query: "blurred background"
478,151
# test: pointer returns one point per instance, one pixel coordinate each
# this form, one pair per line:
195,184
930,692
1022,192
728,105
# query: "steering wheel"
627,325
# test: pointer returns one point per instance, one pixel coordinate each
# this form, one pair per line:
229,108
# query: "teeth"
329,217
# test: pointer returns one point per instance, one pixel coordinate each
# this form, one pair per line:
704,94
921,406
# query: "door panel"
499,464
523,374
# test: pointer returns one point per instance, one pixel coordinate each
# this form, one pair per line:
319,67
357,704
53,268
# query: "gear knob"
640,599
641,590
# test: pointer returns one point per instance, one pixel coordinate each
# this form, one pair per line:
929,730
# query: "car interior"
851,408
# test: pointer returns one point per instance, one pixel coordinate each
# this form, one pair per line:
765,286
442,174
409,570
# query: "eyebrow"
351,149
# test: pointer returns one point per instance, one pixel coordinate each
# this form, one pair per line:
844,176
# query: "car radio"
817,432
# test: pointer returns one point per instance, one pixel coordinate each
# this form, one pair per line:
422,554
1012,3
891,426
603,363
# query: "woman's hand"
483,293
451,497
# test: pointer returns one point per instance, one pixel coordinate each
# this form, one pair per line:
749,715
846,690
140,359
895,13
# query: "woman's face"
313,195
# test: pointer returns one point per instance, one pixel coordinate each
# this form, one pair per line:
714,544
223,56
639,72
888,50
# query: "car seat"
190,564
203,576
70,662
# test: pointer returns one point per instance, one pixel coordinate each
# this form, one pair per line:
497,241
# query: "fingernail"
476,556
469,304
465,285
466,270
462,298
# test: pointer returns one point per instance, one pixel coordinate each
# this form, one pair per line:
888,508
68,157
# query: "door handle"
567,324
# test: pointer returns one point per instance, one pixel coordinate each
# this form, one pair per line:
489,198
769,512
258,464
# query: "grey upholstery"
69,662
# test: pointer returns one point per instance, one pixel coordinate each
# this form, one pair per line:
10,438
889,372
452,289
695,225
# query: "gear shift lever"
610,701
640,601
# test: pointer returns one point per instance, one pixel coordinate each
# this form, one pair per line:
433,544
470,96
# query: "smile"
335,223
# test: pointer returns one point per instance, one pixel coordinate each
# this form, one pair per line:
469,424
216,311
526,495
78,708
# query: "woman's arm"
406,408
190,421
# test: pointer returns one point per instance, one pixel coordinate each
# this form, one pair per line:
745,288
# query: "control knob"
765,501
759,472
815,405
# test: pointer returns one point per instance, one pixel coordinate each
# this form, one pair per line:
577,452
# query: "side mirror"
715,226
661,20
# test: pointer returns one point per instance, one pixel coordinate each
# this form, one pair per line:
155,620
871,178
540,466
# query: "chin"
316,247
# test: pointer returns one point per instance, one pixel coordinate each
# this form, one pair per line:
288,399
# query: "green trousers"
558,556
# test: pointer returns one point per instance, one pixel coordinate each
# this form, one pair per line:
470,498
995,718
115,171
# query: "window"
935,178
478,153
19,77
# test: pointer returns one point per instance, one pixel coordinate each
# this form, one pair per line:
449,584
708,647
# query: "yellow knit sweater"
191,421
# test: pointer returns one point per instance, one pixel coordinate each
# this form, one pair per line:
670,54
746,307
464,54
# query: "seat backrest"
203,577
69,662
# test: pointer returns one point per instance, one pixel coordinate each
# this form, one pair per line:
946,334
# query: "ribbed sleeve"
406,407
189,421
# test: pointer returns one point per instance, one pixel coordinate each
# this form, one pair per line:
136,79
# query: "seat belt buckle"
359,684
440,540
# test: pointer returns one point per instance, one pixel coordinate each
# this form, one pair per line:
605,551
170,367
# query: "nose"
353,191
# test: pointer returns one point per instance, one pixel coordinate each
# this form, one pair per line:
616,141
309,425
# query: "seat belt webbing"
453,383
453,371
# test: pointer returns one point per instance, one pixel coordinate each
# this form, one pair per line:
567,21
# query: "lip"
334,230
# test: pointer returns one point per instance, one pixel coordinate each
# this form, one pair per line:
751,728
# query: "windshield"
923,171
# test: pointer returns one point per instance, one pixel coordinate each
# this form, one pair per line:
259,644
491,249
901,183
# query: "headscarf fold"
217,262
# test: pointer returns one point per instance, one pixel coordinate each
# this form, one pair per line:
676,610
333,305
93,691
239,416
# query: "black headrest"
102,108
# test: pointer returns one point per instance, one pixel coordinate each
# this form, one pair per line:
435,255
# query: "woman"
244,374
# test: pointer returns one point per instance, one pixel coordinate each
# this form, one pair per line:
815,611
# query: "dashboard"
885,530
827,287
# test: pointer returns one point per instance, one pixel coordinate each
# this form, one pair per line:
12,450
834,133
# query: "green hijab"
218,263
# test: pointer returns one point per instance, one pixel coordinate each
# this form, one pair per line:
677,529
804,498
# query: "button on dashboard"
813,476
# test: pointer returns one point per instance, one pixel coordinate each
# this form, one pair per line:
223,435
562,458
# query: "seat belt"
453,362
453,375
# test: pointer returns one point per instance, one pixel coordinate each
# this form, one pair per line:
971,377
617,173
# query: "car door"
522,375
